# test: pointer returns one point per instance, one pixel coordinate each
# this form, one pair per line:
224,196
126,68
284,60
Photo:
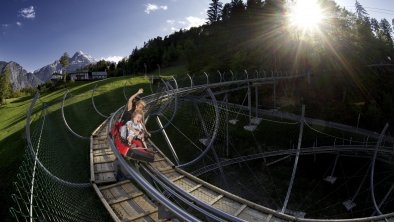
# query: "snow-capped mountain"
78,60
19,77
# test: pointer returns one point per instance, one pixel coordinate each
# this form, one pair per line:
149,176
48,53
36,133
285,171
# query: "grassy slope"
79,113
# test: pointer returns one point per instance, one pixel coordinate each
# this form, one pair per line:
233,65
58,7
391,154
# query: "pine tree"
226,12
360,10
64,61
375,25
5,86
385,32
214,11
237,8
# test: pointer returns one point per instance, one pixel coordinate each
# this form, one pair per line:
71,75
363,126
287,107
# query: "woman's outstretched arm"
130,102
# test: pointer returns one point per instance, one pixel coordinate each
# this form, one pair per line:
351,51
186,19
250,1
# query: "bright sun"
305,14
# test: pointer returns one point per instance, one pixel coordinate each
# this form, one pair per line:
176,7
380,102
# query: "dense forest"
257,35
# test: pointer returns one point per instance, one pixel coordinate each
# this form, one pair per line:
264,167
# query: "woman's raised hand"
140,91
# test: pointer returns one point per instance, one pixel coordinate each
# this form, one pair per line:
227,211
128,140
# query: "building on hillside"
99,75
86,75
56,76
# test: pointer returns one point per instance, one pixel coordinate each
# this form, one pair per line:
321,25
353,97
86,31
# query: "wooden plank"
227,205
99,146
159,159
104,178
145,203
104,159
128,210
104,167
163,169
139,216
194,188
104,154
216,199
125,198
177,178
268,219
253,215
101,151
240,210
106,205
115,185
106,171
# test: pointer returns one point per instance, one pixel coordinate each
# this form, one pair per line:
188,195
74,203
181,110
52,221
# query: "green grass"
80,115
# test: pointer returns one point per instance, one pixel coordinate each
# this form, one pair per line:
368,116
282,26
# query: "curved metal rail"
65,121
214,133
94,105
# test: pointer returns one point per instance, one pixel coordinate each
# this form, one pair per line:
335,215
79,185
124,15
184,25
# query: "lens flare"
305,14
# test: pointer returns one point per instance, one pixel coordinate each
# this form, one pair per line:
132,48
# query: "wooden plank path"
123,200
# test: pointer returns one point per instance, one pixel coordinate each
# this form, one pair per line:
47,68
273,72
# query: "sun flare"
305,14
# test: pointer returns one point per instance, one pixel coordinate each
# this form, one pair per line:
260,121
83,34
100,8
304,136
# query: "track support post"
302,120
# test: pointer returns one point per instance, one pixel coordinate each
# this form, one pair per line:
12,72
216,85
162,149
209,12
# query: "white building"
86,75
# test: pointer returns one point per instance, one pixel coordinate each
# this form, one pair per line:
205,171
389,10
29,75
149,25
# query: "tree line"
255,35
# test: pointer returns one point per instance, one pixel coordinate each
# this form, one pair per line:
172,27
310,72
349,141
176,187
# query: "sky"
35,33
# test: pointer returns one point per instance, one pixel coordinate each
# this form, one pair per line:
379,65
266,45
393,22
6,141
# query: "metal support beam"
227,133
168,141
250,103
372,186
158,66
232,75
274,93
295,161
349,204
191,80
206,75
384,198
256,90
220,75
331,179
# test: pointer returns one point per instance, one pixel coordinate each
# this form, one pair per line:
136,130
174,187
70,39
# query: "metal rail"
214,133
65,121
94,104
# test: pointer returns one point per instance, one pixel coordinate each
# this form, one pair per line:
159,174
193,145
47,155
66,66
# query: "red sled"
137,153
